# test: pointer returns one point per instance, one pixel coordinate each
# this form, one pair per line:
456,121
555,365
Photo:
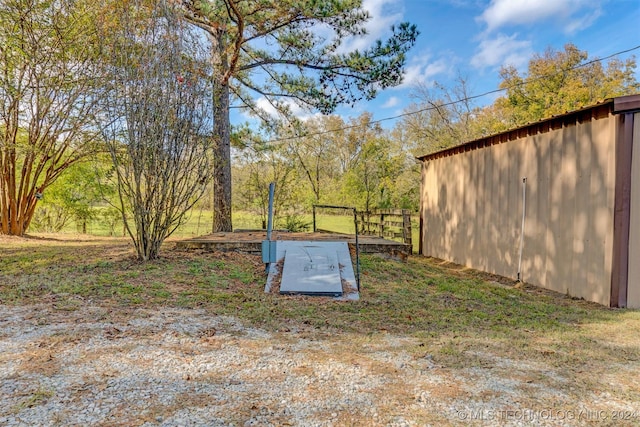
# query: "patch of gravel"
180,367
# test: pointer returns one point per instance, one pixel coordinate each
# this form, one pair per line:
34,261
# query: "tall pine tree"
288,50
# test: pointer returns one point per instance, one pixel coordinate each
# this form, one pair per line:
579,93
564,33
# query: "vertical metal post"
268,247
524,205
272,188
355,221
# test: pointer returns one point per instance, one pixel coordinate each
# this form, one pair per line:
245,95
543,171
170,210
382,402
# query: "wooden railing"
392,224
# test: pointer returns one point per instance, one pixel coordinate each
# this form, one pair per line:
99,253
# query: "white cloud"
299,112
572,15
384,13
421,70
502,50
264,105
497,49
579,23
391,102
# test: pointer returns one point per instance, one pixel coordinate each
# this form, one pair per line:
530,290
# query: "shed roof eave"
626,104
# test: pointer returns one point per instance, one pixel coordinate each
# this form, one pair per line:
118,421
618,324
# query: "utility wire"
457,101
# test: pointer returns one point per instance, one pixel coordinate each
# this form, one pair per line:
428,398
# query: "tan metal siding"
633,295
607,179
473,207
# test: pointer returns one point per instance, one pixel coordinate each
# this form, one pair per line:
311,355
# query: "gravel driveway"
111,366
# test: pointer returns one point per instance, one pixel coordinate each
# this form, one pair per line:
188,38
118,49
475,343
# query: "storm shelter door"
313,268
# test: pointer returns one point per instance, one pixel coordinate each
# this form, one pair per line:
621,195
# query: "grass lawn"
198,222
461,318
456,308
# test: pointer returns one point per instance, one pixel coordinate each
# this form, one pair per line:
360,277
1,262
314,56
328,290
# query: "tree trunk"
222,160
15,212
222,138
12,222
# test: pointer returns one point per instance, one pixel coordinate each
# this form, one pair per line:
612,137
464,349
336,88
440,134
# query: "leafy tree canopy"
555,82
294,49
289,50
560,81
49,95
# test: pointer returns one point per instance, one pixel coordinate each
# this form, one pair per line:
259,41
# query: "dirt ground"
106,366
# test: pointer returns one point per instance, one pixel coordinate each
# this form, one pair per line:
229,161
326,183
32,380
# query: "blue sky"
476,37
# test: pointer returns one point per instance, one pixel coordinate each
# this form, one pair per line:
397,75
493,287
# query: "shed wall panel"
476,220
633,290
609,185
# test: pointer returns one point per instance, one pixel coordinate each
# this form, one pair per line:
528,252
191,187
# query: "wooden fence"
394,224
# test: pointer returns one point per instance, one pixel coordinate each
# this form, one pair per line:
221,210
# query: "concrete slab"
251,242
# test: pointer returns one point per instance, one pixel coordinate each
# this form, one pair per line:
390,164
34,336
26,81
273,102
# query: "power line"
457,101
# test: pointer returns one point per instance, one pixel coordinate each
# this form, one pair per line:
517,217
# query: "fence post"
365,216
406,228
420,236
381,228
314,218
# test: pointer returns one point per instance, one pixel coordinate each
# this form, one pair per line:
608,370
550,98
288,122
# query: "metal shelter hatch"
313,268
322,268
